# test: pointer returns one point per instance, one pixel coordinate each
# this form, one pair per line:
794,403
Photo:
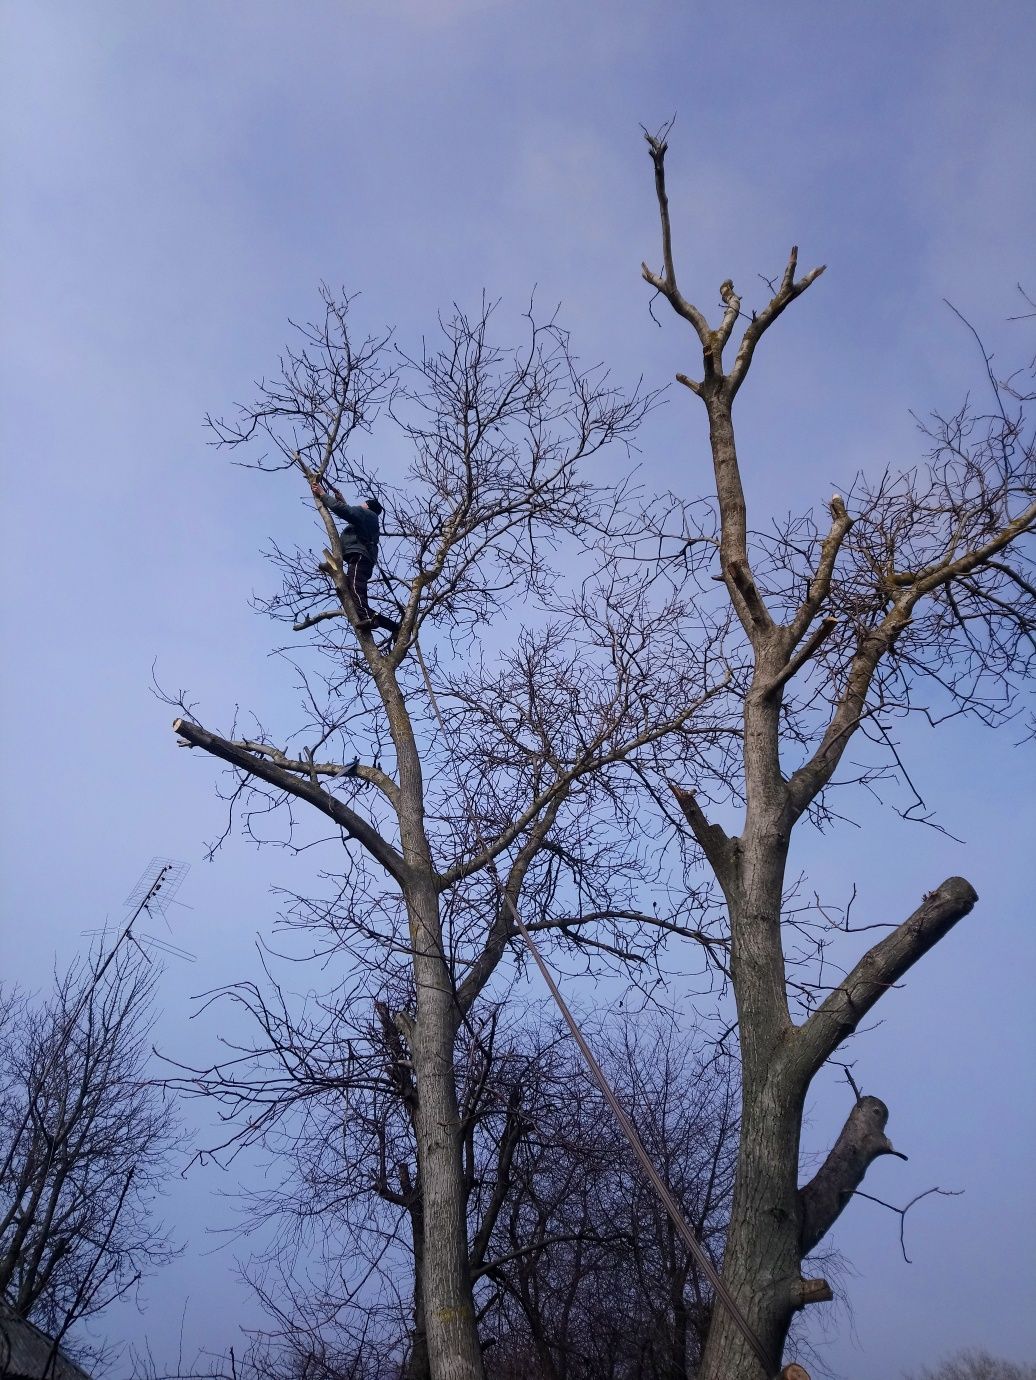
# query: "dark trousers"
358,570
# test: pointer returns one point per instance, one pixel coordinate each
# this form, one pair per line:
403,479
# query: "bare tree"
588,1276
85,1142
498,791
917,595
975,1365
577,1271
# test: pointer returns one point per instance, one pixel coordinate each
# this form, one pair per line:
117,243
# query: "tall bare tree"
517,766
85,1142
916,596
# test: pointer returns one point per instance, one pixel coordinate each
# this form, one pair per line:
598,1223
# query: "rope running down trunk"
670,1204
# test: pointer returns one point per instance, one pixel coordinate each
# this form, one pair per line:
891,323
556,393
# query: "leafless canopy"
489,755
542,716
85,1142
500,750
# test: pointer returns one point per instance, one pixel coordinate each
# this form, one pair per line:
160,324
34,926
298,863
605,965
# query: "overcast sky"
180,177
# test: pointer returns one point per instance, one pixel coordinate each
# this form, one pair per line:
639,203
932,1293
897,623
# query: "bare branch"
879,969
861,1141
284,779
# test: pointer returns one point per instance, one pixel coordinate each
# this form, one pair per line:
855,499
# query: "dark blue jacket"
359,536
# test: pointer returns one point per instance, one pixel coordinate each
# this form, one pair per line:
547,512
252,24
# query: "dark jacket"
359,536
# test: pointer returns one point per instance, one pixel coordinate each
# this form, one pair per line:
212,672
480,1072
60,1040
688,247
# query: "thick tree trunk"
450,1330
761,1263
452,1337
774,1225
449,1316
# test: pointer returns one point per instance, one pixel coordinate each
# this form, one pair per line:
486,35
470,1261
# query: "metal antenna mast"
151,895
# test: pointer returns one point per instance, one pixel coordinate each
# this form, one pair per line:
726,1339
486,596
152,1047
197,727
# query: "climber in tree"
359,539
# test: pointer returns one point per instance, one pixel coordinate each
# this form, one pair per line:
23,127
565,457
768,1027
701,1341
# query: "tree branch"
795,665
861,1141
924,581
812,776
820,584
593,760
373,776
762,321
311,620
902,1212
877,971
285,780
502,929
714,842
665,283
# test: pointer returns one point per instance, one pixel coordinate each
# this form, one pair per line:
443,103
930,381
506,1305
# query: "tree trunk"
449,1315
761,1262
678,1369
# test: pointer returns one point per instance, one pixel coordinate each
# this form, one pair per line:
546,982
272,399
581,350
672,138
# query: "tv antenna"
152,895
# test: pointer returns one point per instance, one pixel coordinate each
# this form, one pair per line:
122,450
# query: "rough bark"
451,1333
452,1337
761,1263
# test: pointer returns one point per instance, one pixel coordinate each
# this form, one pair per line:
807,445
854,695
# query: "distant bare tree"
85,1142
589,1279
916,595
577,1272
975,1365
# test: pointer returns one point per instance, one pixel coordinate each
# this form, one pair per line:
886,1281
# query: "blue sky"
180,177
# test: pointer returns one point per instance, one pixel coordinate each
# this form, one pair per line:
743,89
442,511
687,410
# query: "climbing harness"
670,1204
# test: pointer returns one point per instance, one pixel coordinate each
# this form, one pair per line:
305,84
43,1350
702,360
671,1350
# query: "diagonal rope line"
683,1227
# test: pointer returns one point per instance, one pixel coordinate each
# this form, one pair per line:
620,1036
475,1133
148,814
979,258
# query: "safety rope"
670,1204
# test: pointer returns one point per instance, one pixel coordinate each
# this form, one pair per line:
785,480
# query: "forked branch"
713,341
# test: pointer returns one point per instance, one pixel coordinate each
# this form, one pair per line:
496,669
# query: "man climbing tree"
357,553
492,781
515,783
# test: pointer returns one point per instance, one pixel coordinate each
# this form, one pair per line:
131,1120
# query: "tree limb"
861,1141
714,842
761,322
819,635
286,780
881,967
665,283
820,584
